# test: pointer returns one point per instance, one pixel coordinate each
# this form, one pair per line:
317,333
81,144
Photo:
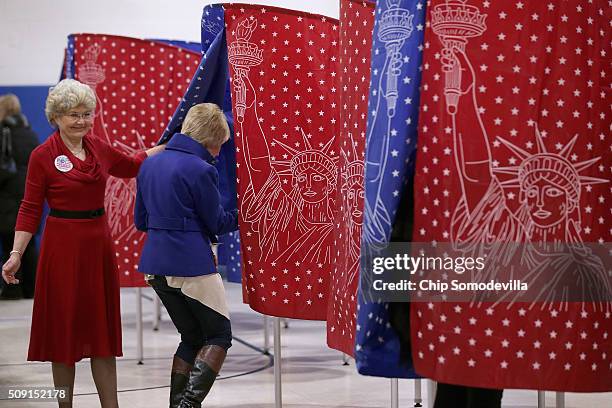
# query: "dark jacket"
24,140
179,206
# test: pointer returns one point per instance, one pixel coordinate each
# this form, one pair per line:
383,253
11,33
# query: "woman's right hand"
10,268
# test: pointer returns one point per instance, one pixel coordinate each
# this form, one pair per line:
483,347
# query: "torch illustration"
395,28
454,22
243,55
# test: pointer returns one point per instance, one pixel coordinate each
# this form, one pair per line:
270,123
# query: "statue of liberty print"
543,233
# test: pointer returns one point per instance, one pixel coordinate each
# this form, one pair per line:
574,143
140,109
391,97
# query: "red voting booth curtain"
514,146
299,92
356,25
284,78
138,85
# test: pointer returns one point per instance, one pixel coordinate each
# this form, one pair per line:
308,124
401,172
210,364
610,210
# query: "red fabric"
537,67
138,85
76,303
356,26
284,73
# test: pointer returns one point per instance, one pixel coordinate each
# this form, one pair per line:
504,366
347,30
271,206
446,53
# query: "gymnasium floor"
313,374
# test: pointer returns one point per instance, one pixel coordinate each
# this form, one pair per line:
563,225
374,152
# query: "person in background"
178,204
76,303
14,125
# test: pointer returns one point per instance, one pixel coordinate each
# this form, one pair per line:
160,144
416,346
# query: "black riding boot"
179,377
203,374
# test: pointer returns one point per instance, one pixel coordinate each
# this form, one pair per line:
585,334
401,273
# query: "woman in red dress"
76,304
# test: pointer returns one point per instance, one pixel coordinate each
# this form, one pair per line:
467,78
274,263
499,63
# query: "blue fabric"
68,64
390,147
229,248
211,84
180,183
213,22
207,85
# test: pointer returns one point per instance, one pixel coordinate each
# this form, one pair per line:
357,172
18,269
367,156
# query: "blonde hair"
9,105
205,123
66,95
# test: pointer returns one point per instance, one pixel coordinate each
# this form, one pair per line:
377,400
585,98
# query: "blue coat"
179,206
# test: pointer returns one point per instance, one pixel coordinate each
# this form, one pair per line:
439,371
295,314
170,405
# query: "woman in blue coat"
179,206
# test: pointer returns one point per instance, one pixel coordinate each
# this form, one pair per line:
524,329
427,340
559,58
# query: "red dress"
76,303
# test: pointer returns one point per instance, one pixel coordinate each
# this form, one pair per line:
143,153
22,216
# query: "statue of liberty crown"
322,158
549,165
354,170
355,167
315,157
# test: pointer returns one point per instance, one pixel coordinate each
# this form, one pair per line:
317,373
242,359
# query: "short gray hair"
205,123
66,95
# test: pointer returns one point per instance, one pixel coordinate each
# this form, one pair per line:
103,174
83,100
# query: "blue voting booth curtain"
213,22
210,84
390,151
